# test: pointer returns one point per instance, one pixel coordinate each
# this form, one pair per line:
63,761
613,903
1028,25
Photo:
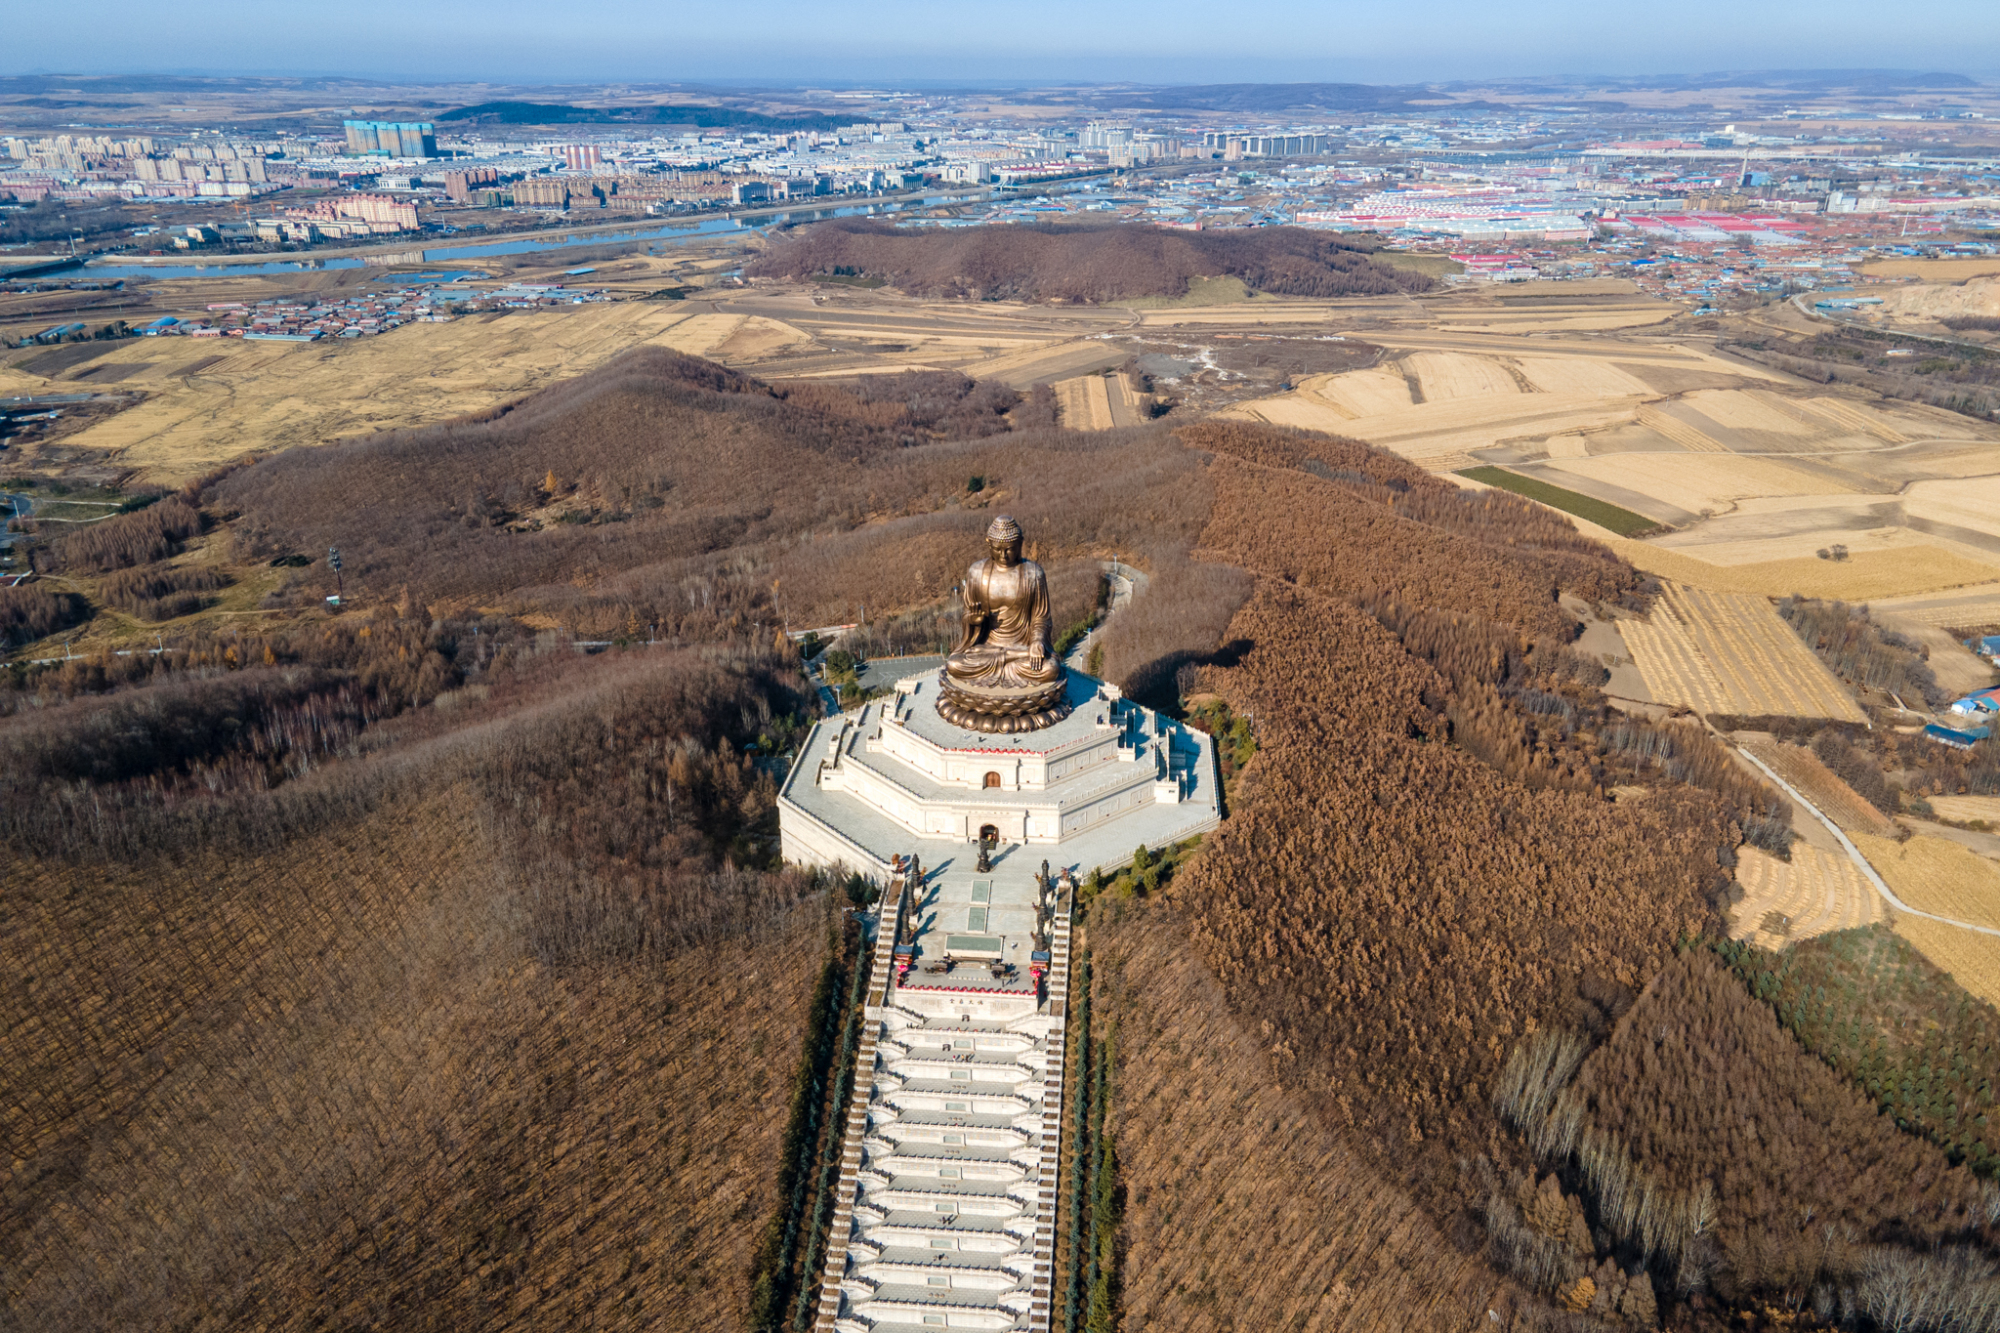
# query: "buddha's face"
1006,554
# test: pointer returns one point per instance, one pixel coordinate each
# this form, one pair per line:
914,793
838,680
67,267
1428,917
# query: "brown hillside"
406,967
1291,505
334,1083
1206,1129
684,491
1774,1135
1083,264
1716,1151
429,1041
1447,907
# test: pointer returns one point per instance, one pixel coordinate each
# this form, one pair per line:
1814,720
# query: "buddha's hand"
1035,655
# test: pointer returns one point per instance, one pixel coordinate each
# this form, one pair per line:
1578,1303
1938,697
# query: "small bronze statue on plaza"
1004,676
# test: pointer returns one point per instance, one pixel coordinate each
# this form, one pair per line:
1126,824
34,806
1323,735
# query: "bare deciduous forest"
407,968
31,613
1711,1150
1083,264
1861,652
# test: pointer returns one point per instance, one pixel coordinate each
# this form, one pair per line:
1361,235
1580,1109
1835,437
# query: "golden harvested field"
1669,425
1675,672
1963,502
1813,893
1863,576
1445,376
1932,270
1754,471
1975,604
1821,785
1753,410
1358,393
1430,433
1934,875
1967,809
1728,653
1972,959
1574,375
1084,402
211,400
1693,482
1768,550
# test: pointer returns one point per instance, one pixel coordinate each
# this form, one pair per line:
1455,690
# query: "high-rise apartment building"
1236,146
541,193
390,138
461,184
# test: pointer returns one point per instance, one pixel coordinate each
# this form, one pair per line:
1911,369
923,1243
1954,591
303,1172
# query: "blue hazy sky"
1181,41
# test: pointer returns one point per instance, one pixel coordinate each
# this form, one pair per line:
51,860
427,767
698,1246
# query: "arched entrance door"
992,779
989,833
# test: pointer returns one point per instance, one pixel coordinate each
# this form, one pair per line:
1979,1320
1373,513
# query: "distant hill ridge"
1085,265
700,117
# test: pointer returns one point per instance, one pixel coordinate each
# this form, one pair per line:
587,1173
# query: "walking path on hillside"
1125,582
1881,886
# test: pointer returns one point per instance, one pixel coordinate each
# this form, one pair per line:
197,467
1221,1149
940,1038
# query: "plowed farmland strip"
1673,670
1936,875
1452,375
1972,959
1096,391
1127,408
1680,432
1760,661
1813,893
1822,786
1855,417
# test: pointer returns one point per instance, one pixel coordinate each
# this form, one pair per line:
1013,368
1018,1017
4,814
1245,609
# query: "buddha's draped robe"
1006,613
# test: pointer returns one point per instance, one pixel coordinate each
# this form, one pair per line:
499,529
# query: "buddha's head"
1003,541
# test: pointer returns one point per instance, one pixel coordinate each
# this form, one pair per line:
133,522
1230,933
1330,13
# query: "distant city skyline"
1171,41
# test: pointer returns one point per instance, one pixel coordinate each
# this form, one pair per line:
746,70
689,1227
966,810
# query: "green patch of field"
1906,1034
1200,292
1621,521
1431,266
76,511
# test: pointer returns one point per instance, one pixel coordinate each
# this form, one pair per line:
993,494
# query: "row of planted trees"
1092,1205
782,1291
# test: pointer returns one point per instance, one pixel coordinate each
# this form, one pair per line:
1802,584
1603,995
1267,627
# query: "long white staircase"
946,1211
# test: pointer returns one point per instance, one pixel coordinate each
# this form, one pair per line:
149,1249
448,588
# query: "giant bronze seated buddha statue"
1004,676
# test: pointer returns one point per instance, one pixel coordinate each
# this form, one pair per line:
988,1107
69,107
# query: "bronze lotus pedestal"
1004,675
